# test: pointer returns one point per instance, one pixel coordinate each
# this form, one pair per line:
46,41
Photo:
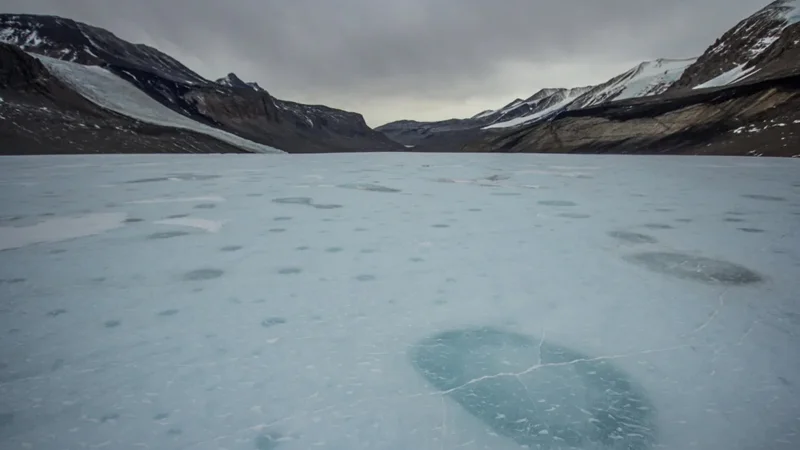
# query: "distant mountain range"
761,50
68,87
73,53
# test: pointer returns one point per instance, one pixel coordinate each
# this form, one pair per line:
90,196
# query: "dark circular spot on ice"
203,274
167,234
272,321
293,200
696,268
633,238
751,230
769,198
658,226
557,203
369,187
539,394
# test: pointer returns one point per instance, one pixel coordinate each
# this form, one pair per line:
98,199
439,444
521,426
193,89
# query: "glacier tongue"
113,93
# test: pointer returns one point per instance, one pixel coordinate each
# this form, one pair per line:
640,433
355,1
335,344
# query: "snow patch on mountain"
646,79
113,93
734,75
535,116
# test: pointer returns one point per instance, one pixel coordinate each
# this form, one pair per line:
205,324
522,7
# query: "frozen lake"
399,301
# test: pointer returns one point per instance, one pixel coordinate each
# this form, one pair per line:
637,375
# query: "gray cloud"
393,59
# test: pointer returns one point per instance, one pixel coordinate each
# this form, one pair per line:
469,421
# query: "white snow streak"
212,226
59,229
734,75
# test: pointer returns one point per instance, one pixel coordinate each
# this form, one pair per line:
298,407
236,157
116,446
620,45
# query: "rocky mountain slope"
540,104
665,105
244,109
41,114
233,81
760,118
755,47
647,78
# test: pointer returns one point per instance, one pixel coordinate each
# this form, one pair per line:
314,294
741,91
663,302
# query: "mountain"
432,134
538,106
646,79
664,105
231,105
758,118
40,113
232,81
762,45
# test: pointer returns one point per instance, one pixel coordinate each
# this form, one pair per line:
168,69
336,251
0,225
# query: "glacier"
111,92
399,301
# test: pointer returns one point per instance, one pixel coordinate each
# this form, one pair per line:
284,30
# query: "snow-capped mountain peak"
739,52
68,40
233,81
540,105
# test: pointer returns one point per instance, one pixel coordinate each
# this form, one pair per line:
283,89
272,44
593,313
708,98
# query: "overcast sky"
410,59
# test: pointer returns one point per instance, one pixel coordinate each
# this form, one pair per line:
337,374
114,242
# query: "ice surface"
112,92
399,301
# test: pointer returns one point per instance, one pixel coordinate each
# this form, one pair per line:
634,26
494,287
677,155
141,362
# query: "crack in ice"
560,364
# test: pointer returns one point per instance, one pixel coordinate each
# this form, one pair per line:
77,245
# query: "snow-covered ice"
113,93
399,301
